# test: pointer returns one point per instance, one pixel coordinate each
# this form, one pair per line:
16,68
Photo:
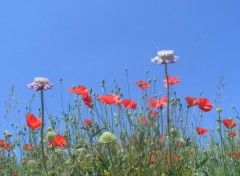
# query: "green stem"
42,128
169,121
111,160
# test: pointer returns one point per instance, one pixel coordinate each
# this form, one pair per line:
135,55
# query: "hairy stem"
168,122
42,128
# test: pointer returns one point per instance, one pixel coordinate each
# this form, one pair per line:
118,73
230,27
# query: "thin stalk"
111,160
223,150
42,128
169,121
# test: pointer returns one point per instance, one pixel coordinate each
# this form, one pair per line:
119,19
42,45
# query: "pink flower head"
40,84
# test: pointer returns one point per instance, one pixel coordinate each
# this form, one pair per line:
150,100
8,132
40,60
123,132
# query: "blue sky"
84,42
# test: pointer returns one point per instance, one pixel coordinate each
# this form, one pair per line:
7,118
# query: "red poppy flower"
180,144
27,147
204,104
152,160
87,122
80,90
4,144
143,84
201,131
171,80
176,158
161,137
237,154
15,174
33,122
143,120
157,103
154,114
110,99
60,141
191,101
129,104
87,99
229,123
233,134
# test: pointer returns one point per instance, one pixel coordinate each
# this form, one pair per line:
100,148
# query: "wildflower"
201,131
33,122
165,57
152,160
143,84
7,134
154,114
80,90
143,120
40,84
157,103
129,104
107,137
87,122
204,104
180,144
4,144
110,99
171,80
87,99
236,154
219,110
175,158
229,123
161,137
60,141
233,134
27,147
191,101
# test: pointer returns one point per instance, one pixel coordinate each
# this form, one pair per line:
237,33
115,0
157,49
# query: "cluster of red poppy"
111,99
4,145
143,120
83,91
202,103
34,123
27,147
228,123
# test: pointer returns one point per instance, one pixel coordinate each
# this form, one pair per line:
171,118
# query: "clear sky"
84,42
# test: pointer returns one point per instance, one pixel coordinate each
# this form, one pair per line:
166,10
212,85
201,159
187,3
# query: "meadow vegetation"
110,134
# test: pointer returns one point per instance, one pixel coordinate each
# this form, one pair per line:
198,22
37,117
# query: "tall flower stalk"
42,130
41,84
166,57
168,120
